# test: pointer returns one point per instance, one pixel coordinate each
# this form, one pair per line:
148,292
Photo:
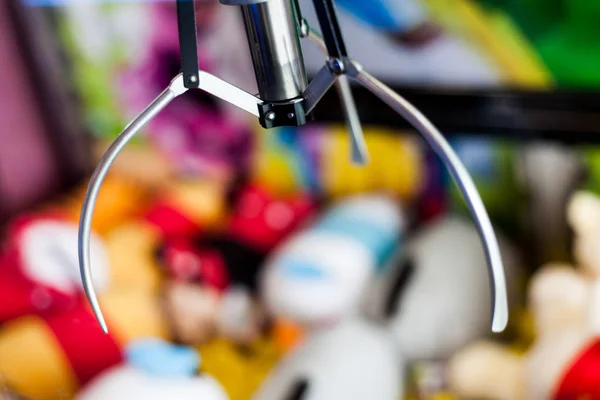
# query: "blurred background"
235,262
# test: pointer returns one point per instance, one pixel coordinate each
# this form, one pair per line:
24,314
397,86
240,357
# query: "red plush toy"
39,268
226,265
259,221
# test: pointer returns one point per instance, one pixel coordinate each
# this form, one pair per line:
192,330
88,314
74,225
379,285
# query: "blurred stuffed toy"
259,221
241,369
48,358
352,360
317,277
158,370
183,209
435,295
563,363
39,268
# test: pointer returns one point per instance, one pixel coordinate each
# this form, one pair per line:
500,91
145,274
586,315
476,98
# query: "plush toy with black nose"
353,360
435,297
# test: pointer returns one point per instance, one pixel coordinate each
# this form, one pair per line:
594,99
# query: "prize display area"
233,262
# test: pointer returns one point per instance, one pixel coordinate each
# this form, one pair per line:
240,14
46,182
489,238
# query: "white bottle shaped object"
317,277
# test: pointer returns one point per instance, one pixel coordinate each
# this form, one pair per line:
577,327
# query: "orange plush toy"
119,198
183,209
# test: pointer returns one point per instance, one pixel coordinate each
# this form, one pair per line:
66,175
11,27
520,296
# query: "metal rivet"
291,115
336,66
270,116
192,79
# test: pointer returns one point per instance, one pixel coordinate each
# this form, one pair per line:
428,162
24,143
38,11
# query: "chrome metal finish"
228,92
317,88
175,89
463,180
275,47
208,83
359,153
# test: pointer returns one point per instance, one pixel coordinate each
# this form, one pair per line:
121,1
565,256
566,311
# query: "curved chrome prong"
175,89
461,177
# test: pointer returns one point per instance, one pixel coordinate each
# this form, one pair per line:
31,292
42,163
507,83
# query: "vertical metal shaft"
275,47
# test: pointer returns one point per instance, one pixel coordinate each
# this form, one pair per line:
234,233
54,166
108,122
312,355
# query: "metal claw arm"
175,89
208,83
359,153
461,177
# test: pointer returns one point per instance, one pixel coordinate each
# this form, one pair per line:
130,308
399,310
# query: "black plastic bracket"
272,115
188,43
330,28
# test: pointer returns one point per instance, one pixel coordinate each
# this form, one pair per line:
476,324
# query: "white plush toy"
155,370
564,361
353,360
318,276
435,298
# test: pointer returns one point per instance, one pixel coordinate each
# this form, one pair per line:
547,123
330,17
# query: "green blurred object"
572,50
94,83
566,33
492,164
591,155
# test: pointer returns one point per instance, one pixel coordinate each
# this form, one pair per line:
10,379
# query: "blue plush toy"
155,370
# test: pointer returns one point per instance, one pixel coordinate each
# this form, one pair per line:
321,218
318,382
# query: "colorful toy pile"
217,289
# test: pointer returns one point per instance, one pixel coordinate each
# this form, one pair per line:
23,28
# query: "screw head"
291,115
336,66
192,79
270,115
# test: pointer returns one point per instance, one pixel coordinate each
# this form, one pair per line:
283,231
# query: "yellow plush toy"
396,166
240,370
320,159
